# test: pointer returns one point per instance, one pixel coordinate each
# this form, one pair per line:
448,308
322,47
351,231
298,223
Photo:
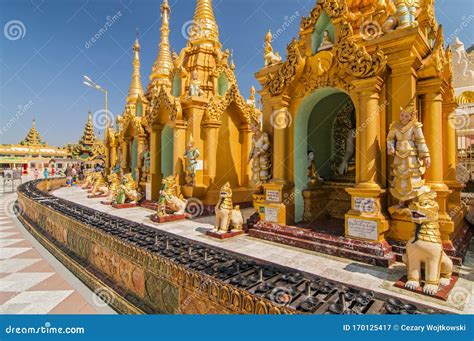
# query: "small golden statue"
228,217
195,86
251,100
191,155
100,185
406,143
260,155
313,176
326,43
270,57
128,191
169,199
114,186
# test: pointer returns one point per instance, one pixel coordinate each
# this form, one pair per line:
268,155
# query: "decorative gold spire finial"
136,86
205,30
163,63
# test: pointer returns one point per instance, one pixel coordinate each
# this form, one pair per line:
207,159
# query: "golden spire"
33,138
136,86
163,63
204,30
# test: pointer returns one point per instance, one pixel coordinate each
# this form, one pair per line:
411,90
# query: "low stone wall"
130,279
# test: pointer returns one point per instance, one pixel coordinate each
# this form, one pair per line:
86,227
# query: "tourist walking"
45,172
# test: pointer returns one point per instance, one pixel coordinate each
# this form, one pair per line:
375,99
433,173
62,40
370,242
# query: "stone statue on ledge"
313,176
260,155
195,86
326,43
270,57
191,155
407,144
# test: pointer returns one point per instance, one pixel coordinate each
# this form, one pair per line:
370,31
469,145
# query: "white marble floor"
32,281
362,275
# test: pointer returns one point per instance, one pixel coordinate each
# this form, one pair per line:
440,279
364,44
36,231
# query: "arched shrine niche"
325,126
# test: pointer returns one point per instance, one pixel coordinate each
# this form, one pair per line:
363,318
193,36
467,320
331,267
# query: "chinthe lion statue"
426,247
89,180
99,186
114,186
128,191
228,218
169,198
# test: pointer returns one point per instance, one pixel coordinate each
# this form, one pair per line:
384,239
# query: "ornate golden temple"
192,96
320,160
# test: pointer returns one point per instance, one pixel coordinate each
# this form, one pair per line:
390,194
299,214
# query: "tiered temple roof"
33,138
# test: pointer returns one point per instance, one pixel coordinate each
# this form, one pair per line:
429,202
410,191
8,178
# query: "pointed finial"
163,63
205,29
136,85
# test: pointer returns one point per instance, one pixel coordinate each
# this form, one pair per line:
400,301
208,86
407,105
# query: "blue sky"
41,69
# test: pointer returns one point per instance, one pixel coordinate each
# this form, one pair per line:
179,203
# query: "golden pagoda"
193,93
83,149
33,138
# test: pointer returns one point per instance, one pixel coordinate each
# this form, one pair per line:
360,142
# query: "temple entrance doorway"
324,160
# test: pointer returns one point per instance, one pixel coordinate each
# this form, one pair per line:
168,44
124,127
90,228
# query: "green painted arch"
139,109
167,151
222,84
309,113
323,23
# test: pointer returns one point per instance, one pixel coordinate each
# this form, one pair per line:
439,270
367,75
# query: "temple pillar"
366,219
274,202
403,82
107,160
140,149
113,155
246,138
450,153
432,118
211,132
155,161
179,148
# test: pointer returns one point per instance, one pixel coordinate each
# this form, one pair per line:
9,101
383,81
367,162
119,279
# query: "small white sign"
362,204
271,214
272,195
148,191
200,165
360,228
